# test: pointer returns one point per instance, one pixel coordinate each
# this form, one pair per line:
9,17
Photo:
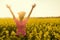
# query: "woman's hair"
22,13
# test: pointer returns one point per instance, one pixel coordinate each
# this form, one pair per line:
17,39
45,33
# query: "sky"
44,8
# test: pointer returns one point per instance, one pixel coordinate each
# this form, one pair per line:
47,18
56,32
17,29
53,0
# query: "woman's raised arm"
10,10
33,6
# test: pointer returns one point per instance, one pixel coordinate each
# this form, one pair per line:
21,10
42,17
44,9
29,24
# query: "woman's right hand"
33,6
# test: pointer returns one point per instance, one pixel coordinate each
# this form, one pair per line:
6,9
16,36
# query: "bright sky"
43,8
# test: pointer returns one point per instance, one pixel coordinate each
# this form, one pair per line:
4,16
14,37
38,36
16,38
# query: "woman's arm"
33,6
10,11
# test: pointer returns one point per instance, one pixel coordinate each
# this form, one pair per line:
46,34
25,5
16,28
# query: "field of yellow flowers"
36,29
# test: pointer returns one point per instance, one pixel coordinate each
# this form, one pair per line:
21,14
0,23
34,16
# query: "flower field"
36,29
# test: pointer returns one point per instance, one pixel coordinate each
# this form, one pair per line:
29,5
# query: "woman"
21,23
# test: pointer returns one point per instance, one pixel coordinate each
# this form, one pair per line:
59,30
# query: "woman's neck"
21,19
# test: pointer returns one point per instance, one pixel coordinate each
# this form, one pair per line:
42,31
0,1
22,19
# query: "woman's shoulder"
16,19
25,18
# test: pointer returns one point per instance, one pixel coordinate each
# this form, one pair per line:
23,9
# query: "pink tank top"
21,26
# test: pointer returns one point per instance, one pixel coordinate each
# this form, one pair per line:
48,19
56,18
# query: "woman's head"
21,15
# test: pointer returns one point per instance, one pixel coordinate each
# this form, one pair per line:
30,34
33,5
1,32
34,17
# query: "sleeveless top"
21,26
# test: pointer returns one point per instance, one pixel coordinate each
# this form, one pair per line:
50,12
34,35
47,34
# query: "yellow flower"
13,33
